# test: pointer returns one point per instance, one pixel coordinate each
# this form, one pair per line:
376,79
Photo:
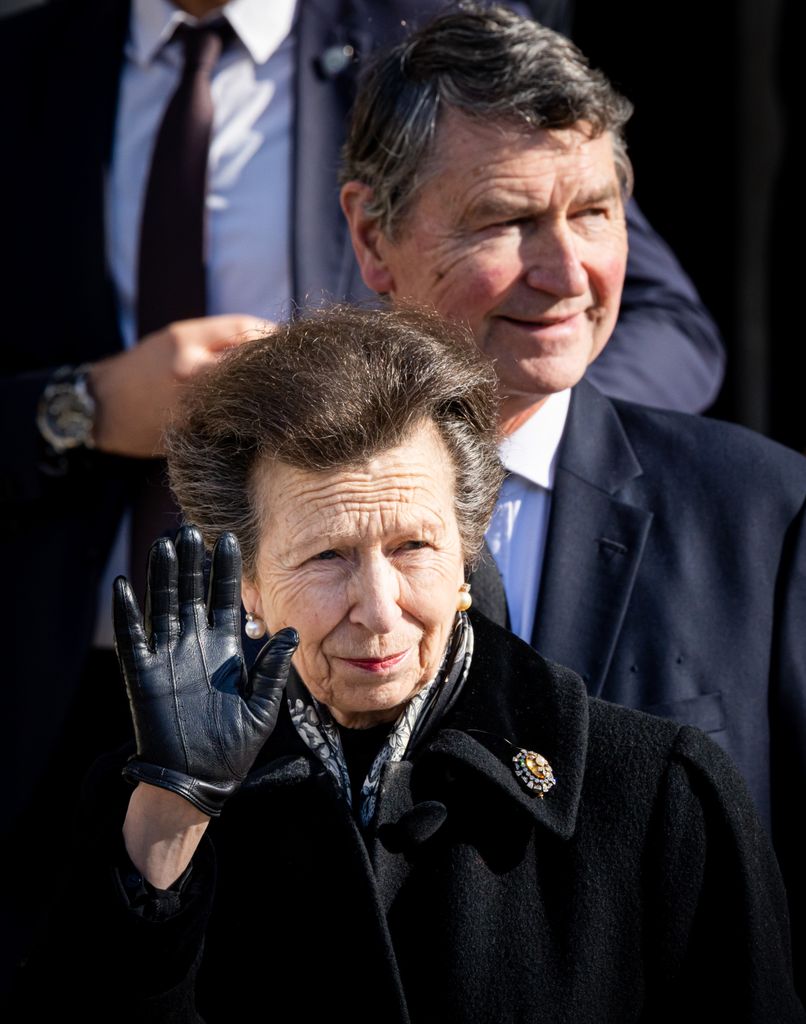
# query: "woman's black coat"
642,888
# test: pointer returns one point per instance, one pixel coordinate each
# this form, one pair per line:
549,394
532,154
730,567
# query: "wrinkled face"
366,564
522,236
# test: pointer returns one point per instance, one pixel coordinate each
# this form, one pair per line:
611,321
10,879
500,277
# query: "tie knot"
203,43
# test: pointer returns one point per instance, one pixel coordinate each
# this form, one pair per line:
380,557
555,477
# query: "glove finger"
130,637
161,620
190,553
224,601
270,671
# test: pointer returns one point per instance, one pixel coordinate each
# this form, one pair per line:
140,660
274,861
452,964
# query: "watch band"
66,412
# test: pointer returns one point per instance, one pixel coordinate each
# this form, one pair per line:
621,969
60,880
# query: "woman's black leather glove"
199,719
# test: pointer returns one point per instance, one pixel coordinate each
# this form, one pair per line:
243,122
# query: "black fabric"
360,747
27,852
141,896
642,888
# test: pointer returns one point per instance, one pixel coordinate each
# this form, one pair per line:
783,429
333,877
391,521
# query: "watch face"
66,414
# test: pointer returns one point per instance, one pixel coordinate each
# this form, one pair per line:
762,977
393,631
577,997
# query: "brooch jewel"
534,771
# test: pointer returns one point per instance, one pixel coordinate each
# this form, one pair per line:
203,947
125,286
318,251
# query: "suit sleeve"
666,350
717,907
42,328
788,733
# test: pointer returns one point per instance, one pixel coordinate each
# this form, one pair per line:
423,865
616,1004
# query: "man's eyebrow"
501,206
507,207
598,194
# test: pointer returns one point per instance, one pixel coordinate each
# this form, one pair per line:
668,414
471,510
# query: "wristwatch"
66,412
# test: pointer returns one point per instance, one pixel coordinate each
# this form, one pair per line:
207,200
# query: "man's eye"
413,545
501,222
513,222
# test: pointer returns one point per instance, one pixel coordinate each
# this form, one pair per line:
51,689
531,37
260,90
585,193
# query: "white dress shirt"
517,533
249,169
249,174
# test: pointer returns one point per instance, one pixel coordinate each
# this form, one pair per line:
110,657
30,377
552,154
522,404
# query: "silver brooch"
534,771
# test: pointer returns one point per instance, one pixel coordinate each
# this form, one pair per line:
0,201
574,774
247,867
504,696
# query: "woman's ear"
367,238
250,595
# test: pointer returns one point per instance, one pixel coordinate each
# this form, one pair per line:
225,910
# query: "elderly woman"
421,820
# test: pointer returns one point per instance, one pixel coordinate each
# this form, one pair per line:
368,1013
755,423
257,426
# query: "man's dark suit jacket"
675,582
61,64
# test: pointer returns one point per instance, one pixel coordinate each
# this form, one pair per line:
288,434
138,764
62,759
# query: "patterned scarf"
317,729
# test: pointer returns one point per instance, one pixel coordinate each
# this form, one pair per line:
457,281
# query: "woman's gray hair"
334,390
486,62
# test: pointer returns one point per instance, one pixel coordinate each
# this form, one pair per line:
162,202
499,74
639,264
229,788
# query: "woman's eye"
413,545
325,556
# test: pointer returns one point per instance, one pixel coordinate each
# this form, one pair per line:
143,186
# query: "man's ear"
367,237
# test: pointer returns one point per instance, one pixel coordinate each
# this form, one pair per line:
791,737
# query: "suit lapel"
595,541
327,33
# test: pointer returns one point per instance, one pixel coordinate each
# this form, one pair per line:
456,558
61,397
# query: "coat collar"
595,447
512,699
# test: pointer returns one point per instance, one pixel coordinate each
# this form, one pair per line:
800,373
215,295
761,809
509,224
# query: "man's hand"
199,720
136,390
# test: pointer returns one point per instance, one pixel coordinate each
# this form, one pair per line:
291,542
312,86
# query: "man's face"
522,236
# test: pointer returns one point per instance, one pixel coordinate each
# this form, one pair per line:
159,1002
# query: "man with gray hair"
661,555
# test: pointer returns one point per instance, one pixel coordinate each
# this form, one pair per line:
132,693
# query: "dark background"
711,141
713,88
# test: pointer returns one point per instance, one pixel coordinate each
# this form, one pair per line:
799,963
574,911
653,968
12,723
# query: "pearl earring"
255,627
465,600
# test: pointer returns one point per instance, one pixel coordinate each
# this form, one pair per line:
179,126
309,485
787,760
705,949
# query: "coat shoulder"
664,760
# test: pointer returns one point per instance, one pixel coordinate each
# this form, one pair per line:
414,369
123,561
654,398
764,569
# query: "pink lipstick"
377,664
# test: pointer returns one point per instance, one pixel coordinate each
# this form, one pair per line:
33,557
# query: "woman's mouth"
377,665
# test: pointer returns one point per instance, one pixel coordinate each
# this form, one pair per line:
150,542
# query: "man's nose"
553,262
375,595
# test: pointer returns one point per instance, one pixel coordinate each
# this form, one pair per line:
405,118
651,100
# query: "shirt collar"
260,26
531,451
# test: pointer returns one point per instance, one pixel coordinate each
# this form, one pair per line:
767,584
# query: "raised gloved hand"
199,719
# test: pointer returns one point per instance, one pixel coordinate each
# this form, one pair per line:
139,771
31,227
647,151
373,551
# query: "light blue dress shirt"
517,533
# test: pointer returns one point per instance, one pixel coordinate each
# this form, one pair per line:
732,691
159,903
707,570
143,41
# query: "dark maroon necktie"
171,269
171,277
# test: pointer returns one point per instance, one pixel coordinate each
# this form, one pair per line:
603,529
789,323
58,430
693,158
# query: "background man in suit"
661,555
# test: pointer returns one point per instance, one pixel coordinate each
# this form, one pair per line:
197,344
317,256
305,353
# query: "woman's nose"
554,265
375,596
